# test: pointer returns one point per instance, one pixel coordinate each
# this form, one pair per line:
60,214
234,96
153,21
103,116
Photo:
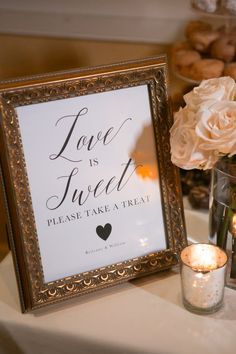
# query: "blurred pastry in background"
230,70
201,39
206,53
206,69
223,48
195,26
186,57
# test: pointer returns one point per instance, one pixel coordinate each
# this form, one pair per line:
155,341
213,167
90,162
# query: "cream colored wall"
154,21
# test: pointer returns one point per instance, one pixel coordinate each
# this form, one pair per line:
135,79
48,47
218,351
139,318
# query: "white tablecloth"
142,316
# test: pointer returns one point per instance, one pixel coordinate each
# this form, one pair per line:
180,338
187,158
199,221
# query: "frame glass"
92,196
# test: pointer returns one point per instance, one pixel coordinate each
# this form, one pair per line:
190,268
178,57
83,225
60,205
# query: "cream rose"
216,127
217,89
185,144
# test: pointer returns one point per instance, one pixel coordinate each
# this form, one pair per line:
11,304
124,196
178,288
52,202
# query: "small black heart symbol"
104,231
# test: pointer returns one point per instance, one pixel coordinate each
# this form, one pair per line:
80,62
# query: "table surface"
145,315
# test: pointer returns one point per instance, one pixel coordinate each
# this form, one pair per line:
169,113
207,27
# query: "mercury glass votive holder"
203,270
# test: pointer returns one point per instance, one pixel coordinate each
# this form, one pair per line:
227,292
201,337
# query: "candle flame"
233,225
203,257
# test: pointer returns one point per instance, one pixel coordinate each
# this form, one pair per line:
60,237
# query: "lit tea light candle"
233,225
203,277
233,251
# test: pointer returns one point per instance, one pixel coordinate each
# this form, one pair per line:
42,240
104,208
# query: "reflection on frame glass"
92,195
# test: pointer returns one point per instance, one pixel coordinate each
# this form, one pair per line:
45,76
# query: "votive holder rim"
201,244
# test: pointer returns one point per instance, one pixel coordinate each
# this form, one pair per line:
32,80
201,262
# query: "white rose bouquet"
205,129
203,135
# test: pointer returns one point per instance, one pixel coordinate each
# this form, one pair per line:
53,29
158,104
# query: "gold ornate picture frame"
92,196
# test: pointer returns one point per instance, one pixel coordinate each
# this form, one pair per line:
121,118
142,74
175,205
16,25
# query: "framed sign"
92,196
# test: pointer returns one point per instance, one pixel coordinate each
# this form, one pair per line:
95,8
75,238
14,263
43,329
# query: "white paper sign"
92,170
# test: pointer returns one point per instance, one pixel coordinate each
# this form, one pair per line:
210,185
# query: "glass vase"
222,213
